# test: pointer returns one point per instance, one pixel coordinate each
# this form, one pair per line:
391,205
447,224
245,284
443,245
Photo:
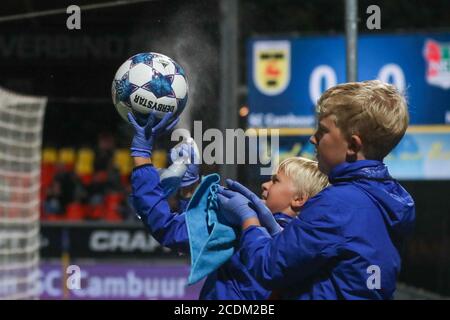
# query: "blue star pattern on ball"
124,89
179,69
160,85
146,58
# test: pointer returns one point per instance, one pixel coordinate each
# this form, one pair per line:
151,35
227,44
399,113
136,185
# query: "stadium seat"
48,166
112,206
96,212
159,158
84,166
75,211
66,157
124,163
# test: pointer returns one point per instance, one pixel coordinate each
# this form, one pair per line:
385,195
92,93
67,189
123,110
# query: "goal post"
21,124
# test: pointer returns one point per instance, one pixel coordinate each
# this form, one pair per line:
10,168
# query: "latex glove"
187,153
170,178
265,216
184,170
235,206
145,135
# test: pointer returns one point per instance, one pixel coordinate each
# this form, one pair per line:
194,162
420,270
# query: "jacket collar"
366,169
282,216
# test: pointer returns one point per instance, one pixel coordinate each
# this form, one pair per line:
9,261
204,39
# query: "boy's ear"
298,202
355,146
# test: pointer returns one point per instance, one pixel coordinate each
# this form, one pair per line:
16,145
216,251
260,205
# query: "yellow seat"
159,158
123,161
66,156
85,162
49,155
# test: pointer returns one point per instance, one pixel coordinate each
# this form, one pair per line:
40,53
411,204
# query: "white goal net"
21,122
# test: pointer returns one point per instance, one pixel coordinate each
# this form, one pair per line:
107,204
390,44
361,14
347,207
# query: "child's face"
331,146
279,193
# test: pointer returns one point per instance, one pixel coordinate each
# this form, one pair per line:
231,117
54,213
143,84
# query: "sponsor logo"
437,57
122,241
272,66
153,106
108,284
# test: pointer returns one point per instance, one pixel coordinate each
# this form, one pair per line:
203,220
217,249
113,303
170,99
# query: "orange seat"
112,206
47,174
100,177
125,180
86,179
52,217
96,212
75,211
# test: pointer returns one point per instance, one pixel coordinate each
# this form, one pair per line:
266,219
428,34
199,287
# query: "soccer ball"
149,83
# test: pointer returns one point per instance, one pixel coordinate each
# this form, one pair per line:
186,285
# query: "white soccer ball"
149,83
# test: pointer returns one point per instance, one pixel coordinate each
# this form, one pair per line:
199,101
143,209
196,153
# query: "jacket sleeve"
148,199
301,249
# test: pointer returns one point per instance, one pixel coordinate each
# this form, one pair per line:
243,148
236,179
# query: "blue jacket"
231,281
346,238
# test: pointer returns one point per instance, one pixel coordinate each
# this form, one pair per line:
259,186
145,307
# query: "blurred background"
250,64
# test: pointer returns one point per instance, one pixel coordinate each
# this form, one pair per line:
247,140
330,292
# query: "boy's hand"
145,135
235,206
187,154
264,214
183,172
170,178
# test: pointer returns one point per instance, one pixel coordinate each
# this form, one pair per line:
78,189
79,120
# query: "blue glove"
187,153
145,135
170,178
235,206
265,216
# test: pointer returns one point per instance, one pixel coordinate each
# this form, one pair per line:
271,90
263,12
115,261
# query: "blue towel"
211,241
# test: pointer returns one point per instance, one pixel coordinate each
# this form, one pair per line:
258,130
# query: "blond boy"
295,181
345,243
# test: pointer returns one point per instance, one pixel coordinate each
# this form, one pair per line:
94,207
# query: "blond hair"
377,112
305,175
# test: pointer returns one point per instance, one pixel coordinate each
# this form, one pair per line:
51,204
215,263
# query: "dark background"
74,68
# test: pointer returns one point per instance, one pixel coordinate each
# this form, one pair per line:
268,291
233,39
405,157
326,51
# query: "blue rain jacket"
231,281
345,243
